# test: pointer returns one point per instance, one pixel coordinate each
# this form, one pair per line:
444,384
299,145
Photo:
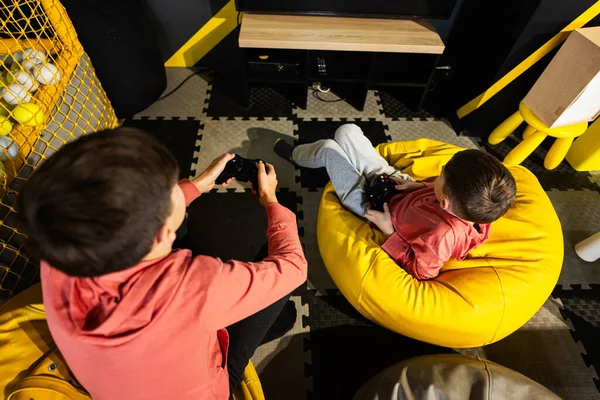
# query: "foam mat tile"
227,225
347,350
231,225
562,177
178,135
595,177
544,350
430,129
318,277
265,102
282,363
582,308
187,101
252,139
340,109
396,110
579,214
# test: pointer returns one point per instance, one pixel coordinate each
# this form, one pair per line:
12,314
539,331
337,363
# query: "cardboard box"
568,91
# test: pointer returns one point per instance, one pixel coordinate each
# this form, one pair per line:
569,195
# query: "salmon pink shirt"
157,330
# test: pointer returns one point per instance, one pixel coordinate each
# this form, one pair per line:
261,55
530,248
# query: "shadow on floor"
342,359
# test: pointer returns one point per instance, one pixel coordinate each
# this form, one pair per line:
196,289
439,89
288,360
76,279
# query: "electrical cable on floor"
431,89
318,97
194,73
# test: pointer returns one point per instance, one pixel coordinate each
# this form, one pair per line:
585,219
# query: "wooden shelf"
340,34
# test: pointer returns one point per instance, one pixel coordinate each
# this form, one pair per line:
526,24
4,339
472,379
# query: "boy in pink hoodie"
134,318
427,223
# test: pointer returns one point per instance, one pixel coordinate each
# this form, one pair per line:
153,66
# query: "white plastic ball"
8,148
31,64
47,74
15,94
26,80
19,56
29,53
35,53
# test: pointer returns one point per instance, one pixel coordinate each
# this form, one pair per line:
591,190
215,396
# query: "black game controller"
380,191
242,169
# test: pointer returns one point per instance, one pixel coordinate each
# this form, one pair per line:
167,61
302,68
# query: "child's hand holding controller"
383,220
406,185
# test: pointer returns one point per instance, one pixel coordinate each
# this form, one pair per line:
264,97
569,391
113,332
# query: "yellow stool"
585,152
534,135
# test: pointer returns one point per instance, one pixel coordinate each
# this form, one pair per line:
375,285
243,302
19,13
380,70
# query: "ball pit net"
49,95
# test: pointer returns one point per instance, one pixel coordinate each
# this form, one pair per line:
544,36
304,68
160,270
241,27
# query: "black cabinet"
349,74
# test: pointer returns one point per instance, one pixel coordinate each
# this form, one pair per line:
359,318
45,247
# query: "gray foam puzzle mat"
339,109
283,363
329,336
318,277
544,349
250,139
430,129
579,214
187,101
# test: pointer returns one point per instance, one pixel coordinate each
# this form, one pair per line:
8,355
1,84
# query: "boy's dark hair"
96,206
480,188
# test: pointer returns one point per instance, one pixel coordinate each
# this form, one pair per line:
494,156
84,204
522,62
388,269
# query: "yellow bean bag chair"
32,368
472,303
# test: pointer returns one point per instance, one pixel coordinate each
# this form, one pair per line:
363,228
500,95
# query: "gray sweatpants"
351,162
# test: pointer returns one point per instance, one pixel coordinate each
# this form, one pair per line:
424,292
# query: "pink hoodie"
157,329
426,236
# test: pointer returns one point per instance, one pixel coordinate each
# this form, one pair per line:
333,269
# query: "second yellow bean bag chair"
472,303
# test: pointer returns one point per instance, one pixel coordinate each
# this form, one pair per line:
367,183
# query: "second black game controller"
242,169
381,189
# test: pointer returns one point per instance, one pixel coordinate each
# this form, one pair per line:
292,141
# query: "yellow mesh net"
49,95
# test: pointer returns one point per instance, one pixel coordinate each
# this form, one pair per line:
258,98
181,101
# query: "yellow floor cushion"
474,302
24,337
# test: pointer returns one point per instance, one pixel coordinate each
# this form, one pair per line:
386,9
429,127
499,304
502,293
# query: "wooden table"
334,33
359,53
